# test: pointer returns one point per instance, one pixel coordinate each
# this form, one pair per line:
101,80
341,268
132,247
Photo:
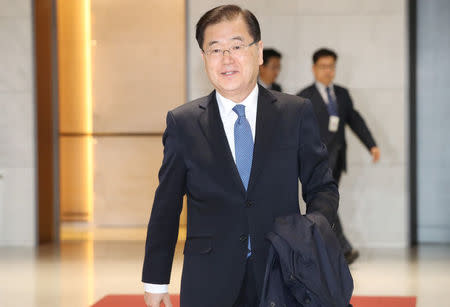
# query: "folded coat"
305,266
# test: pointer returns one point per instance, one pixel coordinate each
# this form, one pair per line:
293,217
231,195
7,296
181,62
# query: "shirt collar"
226,105
322,88
267,86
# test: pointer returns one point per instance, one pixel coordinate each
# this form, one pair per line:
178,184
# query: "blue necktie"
332,106
243,148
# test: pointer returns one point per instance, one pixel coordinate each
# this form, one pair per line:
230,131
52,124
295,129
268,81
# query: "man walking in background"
270,69
334,110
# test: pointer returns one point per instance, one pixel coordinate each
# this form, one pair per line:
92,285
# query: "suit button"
307,300
243,238
248,203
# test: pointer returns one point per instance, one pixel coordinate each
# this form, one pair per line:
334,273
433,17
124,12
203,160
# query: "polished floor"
77,272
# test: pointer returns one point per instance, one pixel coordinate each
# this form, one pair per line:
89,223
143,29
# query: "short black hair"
227,12
324,52
270,53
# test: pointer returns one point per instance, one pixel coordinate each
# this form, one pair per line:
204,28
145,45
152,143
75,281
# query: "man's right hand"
155,299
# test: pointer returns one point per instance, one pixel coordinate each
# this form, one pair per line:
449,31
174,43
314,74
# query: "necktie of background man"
332,106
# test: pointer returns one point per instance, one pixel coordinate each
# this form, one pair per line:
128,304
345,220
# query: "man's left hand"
375,152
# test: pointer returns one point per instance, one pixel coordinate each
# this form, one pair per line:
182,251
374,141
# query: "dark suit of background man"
270,69
237,154
334,109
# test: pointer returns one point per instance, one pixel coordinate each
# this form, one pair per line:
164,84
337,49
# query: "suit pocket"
198,246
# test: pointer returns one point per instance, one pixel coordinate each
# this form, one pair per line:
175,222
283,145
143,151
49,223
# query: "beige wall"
110,143
17,125
75,108
138,62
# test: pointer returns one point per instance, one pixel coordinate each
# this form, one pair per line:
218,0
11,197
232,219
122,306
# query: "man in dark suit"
334,109
270,69
237,154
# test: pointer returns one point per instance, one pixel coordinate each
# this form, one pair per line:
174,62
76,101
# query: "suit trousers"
346,246
248,296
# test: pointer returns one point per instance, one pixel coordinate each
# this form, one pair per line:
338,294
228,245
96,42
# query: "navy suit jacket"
221,214
335,141
276,87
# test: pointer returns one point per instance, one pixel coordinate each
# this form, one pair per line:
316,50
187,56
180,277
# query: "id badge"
333,124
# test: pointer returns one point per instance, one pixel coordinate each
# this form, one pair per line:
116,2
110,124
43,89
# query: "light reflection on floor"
79,272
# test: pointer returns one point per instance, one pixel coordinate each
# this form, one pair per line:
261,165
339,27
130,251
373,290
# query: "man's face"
233,74
325,69
269,72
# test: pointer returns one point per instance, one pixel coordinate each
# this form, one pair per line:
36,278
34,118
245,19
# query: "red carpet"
129,301
383,301
357,301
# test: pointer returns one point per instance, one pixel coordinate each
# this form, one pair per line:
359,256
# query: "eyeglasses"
273,67
324,67
236,50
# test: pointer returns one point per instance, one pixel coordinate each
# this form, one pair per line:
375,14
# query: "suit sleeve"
358,125
162,231
318,186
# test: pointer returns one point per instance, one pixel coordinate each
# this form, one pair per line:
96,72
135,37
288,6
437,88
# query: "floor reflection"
80,272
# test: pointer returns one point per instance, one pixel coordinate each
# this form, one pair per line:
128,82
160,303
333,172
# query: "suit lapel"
212,127
266,117
322,106
339,100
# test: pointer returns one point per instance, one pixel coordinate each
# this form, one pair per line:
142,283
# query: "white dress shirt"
322,88
267,86
228,117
